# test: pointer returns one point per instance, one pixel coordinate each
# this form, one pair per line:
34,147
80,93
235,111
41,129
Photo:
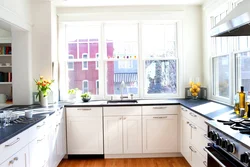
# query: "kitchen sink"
121,101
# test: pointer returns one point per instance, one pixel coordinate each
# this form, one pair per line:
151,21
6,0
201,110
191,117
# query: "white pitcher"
3,98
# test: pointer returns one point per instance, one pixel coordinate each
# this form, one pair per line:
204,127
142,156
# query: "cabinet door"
52,145
61,140
113,143
84,135
197,159
160,134
132,134
185,138
21,158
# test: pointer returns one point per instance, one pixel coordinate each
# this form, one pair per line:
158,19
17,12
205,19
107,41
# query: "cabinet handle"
124,118
187,122
159,107
11,162
190,147
120,118
205,163
160,117
192,126
205,135
16,159
39,140
14,142
193,115
183,109
84,109
39,126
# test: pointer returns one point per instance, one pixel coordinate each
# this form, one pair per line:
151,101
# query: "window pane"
242,42
76,77
161,43
116,75
121,41
97,87
71,64
221,76
243,70
161,76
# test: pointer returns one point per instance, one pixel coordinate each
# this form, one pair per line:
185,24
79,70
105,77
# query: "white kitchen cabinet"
185,139
192,138
160,134
61,138
122,130
113,143
20,159
84,131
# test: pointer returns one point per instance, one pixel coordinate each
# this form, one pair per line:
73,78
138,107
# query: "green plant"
72,91
86,95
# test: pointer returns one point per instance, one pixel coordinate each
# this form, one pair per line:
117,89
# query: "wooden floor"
145,162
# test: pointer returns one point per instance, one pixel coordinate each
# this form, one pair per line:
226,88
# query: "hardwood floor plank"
137,162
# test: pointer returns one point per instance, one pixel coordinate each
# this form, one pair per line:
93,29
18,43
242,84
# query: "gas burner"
243,125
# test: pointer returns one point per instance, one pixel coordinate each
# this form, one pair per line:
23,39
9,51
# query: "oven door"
216,157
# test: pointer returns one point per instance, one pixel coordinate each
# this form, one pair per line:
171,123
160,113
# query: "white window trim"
97,61
71,69
85,68
84,84
96,88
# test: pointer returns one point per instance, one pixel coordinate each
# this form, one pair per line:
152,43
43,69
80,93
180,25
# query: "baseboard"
85,156
156,155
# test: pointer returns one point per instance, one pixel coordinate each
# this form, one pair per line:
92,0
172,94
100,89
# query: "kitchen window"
71,64
110,53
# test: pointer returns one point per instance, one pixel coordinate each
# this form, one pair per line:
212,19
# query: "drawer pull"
159,107
187,122
124,118
190,147
205,135
39,140
39,126
14,142
193,115
84,109
205,163
16,159
160,117
11,162
192,126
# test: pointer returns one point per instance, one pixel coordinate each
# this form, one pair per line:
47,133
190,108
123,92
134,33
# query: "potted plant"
43,87
72,93
86,97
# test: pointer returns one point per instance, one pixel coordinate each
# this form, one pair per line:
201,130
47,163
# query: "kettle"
3,98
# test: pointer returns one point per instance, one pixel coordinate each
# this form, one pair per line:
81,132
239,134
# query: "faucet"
122,86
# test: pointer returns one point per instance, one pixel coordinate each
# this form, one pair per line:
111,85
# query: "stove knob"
231,147
219,141
245,157
210,134
215,136
224,143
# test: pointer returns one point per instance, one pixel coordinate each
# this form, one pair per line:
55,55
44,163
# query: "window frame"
85,68
97,88
83,85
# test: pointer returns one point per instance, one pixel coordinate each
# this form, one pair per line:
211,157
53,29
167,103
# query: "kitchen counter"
206,108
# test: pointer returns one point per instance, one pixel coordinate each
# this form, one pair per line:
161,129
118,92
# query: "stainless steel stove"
229,147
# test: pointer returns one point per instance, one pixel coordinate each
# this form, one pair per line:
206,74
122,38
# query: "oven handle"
210,154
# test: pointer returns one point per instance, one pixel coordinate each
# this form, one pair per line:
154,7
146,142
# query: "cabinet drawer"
164,109
84,112
198,139
13,145
38,129
119,111
195,118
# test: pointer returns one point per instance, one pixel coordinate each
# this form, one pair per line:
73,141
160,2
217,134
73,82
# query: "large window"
143,55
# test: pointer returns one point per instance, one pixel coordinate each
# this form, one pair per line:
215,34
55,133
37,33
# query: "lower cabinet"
20,159
122,135
160,134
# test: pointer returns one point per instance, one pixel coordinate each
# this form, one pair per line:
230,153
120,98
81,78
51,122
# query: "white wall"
191,33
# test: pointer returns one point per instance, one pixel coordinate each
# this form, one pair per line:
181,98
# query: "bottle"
242,97
236,103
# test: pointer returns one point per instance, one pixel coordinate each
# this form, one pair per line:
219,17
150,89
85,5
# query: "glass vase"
195,97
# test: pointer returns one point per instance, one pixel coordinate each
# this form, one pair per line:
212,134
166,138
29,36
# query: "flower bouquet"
43,87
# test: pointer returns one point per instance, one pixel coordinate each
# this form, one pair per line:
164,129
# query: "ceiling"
126,2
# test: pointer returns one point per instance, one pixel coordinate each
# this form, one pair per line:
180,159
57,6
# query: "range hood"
236,23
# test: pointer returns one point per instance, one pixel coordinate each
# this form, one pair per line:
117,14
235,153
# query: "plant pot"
86,99
43,101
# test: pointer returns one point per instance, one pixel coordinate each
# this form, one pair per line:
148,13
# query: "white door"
113,143
84,135
160,134
185,138
132,134
37,152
